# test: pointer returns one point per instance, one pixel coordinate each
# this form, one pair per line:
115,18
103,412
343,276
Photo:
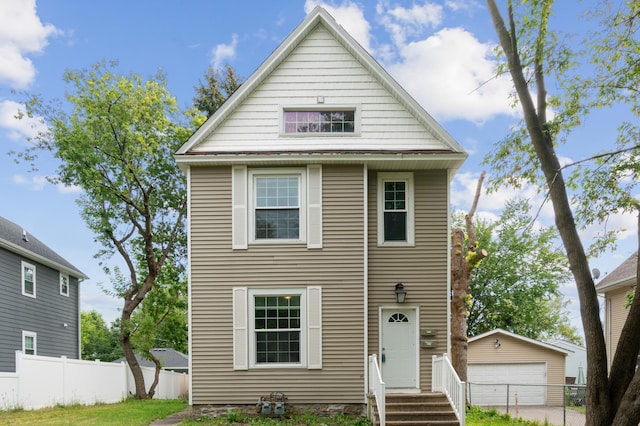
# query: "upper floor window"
29,340
64,284
28,279
321,121
395,209
277,206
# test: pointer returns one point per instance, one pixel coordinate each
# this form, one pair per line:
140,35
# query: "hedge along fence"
41,381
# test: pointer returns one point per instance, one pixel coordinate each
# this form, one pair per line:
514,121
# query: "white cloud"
223,52
462,5
453,76
18,129
350,16
463,190
35,183
403,22
38,182
21,33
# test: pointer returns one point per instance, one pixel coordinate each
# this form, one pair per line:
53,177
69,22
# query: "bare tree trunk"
156,376
463,260
131,301
134,366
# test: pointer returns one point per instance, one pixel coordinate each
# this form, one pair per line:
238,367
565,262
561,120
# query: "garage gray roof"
169,357
16,239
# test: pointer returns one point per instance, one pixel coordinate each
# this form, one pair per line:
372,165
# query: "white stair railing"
444,379
377,387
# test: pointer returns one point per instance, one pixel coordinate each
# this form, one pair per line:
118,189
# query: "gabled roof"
16,239
169,358
499,331
624,274
320,16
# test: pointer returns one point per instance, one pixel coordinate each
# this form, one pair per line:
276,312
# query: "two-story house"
318,229
615,288
40,311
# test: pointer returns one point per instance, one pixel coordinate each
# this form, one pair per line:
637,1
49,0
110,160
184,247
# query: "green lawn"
477,416
130,412
135,412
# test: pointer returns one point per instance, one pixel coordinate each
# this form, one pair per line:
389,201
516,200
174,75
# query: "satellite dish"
596,273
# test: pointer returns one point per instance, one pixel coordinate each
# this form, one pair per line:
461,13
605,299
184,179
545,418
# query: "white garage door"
488,384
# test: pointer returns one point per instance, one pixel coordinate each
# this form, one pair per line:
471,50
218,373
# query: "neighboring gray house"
170,359
40,310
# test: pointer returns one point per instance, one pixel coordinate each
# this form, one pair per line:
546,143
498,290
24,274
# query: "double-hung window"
28,279
277,328
277,206
64,284
29,343
395,209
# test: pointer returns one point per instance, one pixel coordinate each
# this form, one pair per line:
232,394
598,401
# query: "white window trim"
356,108
26,334
302,196
62,275
28,265
303,326
408,178
244,321
243,213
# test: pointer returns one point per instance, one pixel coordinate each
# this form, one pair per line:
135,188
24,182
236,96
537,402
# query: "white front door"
399,358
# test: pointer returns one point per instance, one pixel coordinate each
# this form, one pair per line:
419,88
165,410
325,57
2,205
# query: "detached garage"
504,368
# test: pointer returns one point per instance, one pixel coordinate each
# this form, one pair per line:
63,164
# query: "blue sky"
441,51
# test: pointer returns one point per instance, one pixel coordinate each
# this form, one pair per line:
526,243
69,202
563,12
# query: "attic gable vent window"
329,121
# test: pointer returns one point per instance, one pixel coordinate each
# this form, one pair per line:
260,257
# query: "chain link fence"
555,404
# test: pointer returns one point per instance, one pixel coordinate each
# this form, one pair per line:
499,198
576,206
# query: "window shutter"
314,206
240,329
239,208
314,327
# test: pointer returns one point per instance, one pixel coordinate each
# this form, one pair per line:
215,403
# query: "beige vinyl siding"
422,269
320,66
515,351
337,268
616,317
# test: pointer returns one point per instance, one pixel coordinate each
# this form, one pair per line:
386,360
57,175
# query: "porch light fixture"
401,294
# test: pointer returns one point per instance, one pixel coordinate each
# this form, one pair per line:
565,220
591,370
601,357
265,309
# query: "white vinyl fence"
45,382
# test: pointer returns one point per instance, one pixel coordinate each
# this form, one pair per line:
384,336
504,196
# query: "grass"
477,416
129,412
136,412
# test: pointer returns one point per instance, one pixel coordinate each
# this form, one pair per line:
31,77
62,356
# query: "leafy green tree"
96,338
217,87
601,184
517,288
116,141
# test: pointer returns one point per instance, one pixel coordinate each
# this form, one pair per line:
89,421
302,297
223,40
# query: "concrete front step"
419,409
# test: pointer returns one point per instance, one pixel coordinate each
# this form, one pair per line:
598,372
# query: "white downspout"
449,178
189,292
366,276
